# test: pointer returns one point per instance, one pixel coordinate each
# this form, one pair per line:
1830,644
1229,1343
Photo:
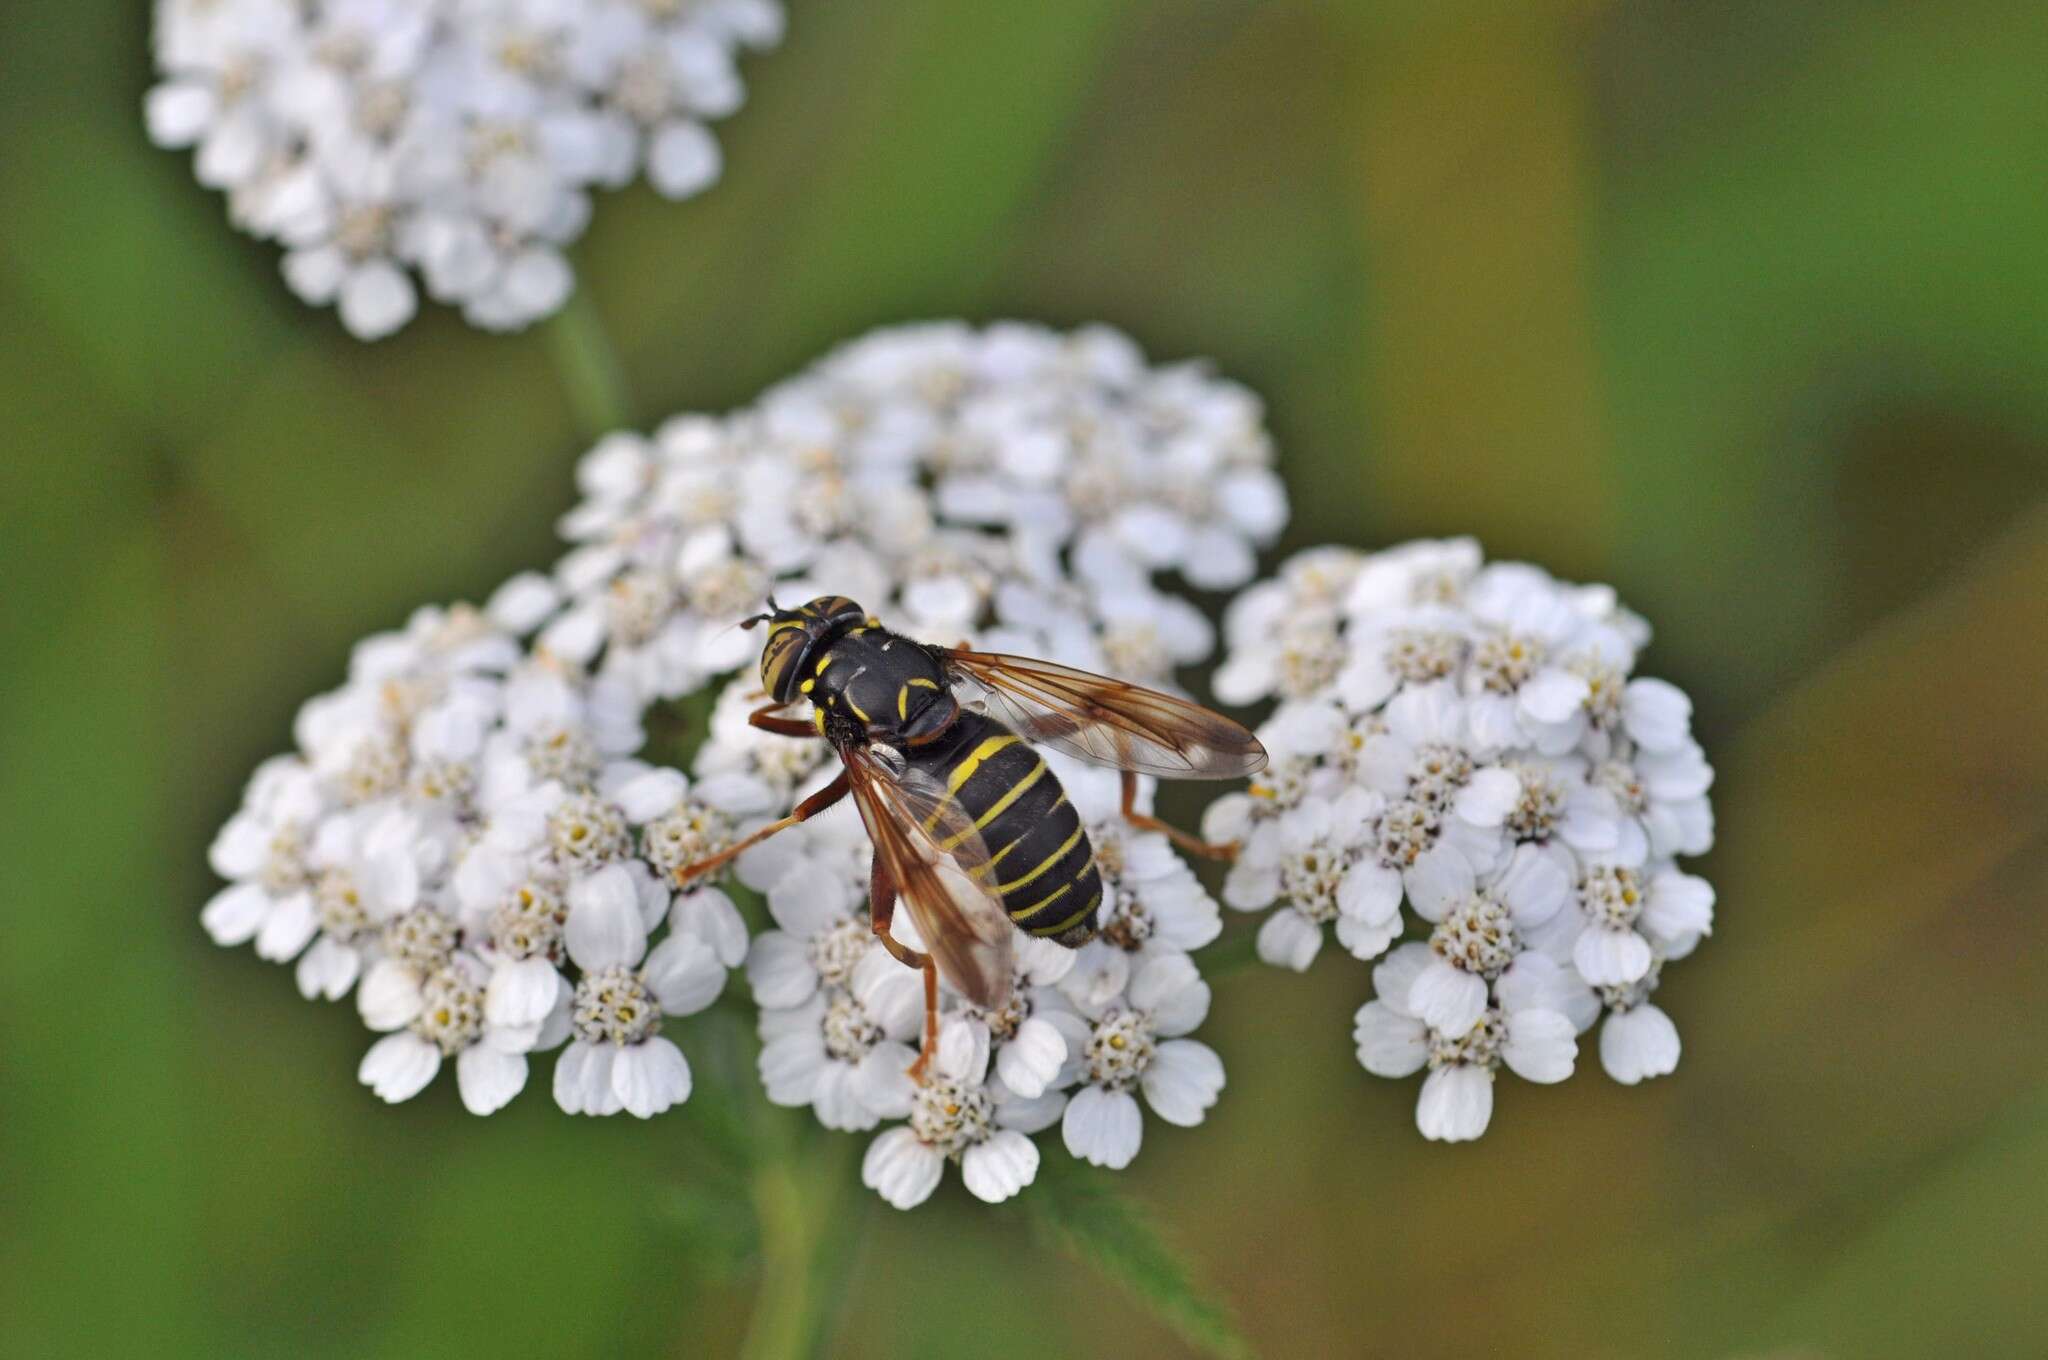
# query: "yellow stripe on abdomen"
1054,858
971,762
996,809
1073,920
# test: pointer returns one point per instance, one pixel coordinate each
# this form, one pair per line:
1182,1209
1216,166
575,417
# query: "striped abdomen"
1039,858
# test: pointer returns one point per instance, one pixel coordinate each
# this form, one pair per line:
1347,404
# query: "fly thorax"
613,1004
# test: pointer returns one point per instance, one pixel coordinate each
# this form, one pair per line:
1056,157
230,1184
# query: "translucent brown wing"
1105,721
929,846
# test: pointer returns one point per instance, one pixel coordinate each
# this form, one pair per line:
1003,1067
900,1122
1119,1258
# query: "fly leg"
765,719
881,911
803,812
1194,845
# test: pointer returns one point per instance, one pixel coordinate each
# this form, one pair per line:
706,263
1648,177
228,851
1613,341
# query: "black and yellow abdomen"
1040,862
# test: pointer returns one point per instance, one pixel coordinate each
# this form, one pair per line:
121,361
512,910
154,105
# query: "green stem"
785,1307
590,368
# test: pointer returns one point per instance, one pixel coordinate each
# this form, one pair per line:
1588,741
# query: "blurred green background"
1740,306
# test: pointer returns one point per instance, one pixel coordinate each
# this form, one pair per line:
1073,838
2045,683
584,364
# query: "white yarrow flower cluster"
454,144
1022,486
1470,740
462,840
468,838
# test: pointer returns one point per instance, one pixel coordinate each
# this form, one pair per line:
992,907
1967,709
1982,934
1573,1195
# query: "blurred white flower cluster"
465,838
461,839
1470,739
1084,1035
455,140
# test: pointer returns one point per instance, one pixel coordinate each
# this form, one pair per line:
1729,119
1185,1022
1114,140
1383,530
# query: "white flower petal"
1183,1081
399,1066
1103,1128
1449,1000
1456,1103
1389,1044
900,1169
1287,939
605,928
995,1170
650,1076
488,1079
1638,1044
1541,1045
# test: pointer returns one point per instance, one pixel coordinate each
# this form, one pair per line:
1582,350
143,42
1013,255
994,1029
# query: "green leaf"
1082,1209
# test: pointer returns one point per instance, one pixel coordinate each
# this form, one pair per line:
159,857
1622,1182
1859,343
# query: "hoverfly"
970,828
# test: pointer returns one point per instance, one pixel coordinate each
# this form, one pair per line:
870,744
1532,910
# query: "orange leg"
765,719
1194,845
804,811
881,911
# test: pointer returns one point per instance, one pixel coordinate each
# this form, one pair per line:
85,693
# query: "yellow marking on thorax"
823,662
964,771
818,717
808,685
856,708
1054,858
903,695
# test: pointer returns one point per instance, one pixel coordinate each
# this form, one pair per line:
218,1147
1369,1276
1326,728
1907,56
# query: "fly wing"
928,845
1105,721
